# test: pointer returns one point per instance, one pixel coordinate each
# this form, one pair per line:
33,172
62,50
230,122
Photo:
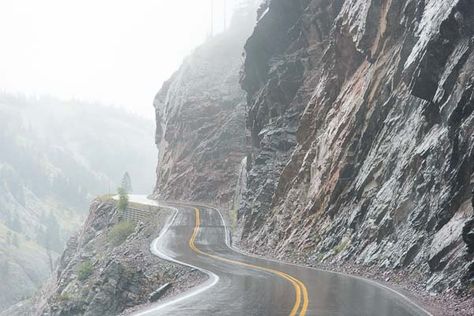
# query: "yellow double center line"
301,292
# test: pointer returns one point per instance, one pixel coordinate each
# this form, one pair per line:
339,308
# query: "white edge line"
227,242
213,278
373,282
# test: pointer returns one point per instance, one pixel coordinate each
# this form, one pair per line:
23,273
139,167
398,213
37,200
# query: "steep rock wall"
201,120
362,129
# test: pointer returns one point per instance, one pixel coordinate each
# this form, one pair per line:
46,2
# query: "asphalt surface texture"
241,284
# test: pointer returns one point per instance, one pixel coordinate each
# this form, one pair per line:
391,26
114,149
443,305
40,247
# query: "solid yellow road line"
300,288
304,290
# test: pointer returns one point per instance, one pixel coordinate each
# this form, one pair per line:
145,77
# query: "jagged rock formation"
105,270
362,125
200,115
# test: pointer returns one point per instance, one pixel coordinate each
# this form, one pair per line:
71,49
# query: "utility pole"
212,18
225,14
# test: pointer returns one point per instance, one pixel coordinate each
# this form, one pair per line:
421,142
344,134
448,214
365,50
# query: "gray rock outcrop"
362,129
200,115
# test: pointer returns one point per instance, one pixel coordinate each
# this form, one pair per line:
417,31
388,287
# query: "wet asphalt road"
242,285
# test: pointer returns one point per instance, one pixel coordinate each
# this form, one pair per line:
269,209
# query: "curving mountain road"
239,284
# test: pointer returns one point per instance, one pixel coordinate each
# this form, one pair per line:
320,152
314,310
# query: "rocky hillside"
200,115
52,164
362,130
108,268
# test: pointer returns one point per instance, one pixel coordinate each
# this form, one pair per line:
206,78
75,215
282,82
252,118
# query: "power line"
212,18
225,14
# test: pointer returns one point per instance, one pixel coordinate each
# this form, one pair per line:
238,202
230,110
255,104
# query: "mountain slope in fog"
55,157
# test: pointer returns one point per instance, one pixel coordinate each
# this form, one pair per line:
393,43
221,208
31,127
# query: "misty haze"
236,157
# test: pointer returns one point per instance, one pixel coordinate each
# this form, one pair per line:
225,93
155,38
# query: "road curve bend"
241,284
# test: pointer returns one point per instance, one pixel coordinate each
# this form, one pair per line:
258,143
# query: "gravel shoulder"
449,303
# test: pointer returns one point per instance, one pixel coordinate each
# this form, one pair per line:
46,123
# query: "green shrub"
341,246
233,219
120,232
64,297
84,270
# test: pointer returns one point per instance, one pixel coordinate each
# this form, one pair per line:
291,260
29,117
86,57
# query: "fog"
77,83
55,158
116,52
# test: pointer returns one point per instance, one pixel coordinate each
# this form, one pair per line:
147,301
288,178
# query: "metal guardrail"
137,215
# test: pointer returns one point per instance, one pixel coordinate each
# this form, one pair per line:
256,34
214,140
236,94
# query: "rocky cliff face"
108,268
362,129
201,120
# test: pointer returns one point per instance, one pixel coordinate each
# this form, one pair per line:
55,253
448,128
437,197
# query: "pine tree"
49,236
127,183
53,234
123,199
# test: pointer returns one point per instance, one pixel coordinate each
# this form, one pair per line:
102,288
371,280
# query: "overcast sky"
113,51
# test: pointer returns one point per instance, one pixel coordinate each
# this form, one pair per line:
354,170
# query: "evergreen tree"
123,199
50,236
127,183
53,235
